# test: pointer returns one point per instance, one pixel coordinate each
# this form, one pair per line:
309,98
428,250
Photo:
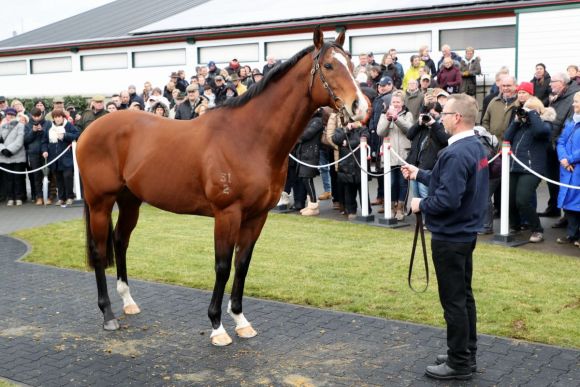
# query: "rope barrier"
493,158
325,165
37,169
540,176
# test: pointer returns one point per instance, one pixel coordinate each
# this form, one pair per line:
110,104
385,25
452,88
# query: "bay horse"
229,164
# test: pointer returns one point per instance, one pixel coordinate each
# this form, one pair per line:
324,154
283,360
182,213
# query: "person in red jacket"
449,77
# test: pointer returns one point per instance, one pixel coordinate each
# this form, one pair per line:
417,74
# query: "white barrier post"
77,177
504,236
388,220
364,184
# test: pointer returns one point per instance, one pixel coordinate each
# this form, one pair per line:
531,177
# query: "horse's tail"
92,253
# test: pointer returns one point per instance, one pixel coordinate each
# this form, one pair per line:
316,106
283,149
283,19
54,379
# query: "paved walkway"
50,335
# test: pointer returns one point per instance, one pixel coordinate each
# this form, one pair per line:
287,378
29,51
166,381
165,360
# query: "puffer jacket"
308,150
348,169
426,142
529,141
569,148
33,139
397,133
12,134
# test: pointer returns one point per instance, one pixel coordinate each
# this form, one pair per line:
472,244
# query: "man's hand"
415,203
409,171
564,163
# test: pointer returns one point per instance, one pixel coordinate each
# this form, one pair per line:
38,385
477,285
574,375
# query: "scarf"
576,117
56,133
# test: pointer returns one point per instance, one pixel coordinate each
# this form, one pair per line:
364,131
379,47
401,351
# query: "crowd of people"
539,118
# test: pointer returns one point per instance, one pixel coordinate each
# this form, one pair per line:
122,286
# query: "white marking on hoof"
219,337
129,305
243,327
246,332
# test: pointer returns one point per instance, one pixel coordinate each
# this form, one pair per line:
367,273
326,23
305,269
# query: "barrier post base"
508,240
391,223
365,219
282,209
78,203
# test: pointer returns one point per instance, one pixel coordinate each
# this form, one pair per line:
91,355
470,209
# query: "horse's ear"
318,38
340,39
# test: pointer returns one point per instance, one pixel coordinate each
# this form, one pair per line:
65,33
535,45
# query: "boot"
307,204
393,209
311,210
400,211
284,199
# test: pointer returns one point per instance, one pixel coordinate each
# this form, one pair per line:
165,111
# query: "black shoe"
561,223
549,213
442,359
444,372
485,231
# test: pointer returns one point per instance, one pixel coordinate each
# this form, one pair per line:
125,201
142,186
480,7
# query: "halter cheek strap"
338,102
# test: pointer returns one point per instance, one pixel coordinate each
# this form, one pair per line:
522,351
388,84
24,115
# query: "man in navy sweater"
454,212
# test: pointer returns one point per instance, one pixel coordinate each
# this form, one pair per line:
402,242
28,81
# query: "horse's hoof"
221,340
132,309
246,332
111,325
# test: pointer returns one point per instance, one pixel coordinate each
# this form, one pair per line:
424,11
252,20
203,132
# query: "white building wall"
110,81
549,37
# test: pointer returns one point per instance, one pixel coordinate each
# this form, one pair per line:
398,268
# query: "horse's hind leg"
128,215
227,227
100,251
249,233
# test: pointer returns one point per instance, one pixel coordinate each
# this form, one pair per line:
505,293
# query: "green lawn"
343,266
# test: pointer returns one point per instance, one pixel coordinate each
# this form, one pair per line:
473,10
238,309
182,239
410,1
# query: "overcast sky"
27,15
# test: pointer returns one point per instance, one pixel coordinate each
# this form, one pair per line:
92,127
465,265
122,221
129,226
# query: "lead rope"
418,230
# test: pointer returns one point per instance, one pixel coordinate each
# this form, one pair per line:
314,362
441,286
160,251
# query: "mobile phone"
429,90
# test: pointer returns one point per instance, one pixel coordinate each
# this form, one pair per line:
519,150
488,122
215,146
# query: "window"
103,62
15,67
159,58
380,44
479,38
224,54
286,50
51,65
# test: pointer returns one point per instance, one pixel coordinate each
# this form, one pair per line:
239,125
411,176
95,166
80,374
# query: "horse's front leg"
227,227
249,233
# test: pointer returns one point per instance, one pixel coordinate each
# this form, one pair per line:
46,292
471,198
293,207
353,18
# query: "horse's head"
334,70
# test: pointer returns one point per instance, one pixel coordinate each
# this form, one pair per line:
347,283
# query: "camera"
425,118
522,113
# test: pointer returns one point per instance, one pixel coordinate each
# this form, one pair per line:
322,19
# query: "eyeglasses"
445,113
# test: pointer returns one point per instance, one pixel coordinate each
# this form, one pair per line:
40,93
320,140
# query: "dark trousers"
293,183
453,263
493,186
14,185
553,173
573,229
522,192
35,161
64,183
310,190
350,192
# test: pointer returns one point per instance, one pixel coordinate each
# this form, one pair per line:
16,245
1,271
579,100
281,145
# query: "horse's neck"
282,111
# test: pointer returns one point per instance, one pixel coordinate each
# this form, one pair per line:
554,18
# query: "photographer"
427,138
395,123
529,136
33,133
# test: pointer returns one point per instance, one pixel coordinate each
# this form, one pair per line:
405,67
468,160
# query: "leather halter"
316,69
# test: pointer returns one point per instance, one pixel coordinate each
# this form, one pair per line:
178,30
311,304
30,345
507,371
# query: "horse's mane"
274,74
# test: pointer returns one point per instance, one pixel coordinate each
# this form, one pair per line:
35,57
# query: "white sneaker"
284,199
69,202
536,237
10,203
19,202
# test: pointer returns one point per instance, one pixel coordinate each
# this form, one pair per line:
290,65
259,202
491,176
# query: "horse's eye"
328,66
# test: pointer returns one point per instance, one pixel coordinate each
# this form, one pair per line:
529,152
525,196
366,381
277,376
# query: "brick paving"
50,335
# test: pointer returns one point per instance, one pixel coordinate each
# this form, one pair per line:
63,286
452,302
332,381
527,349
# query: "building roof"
112,20
125,22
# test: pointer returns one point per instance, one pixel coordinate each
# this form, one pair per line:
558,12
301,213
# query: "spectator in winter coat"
12,157
33,135
308,151
60,135
569,156
542,83
395,123
233,67
447,53
413,72
398,66
470,68
529,136
573,74
449,77
499,113
424,55
413,98
389,68
186,109
270,63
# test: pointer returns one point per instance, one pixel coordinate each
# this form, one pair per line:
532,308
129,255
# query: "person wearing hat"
13,157
525,90
186,109
57,103
133,97
219,89
212,71
96,110
240,87
380,103
233,67
257,76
